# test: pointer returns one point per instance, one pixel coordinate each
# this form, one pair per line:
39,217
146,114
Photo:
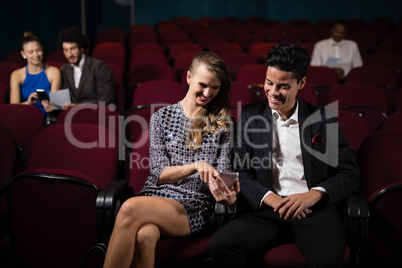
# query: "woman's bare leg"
144,254
166,214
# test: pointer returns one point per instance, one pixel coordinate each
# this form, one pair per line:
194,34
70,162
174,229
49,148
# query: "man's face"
281,89
72,53
338,32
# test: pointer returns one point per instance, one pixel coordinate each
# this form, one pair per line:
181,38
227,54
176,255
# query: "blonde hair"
215,114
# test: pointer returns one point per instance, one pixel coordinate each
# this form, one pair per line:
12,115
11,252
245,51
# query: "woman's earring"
24,57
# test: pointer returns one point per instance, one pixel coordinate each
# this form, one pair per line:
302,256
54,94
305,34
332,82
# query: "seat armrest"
108,202
358,214
358,206
224,213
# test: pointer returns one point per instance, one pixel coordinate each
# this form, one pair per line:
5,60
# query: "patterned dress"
168,147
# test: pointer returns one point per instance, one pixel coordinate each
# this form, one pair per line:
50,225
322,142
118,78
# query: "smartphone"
42,95
229,177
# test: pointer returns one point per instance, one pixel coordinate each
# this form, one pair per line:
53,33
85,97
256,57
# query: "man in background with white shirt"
336,52
88,79
295,165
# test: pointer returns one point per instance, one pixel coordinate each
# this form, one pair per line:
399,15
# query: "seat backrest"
322,75
379,158
179,48
236,60
90,114
225,47
6,68
137,121
139,162
240,95
57,56
25,121
3,93
148,72
15,56
157,92
308,94
354,127
146,58
261,49
358,94
394,121
369,101
110,52
8,152
391,60
251,74
147,47
376,75
61,228
86,148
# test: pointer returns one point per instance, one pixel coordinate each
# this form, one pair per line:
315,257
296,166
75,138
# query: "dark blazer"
96,84
339,176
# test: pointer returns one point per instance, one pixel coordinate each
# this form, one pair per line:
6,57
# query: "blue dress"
168,147
33,82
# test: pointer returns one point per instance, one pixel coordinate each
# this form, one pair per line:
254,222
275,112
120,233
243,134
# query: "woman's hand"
47,105
222,193
32,99
206,171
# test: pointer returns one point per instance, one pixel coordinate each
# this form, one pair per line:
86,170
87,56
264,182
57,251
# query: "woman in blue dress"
189,144
35,75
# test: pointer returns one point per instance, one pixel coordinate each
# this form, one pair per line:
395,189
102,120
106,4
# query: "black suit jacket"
96,83
327,159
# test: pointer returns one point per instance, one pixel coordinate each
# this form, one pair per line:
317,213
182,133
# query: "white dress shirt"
287,162
78,71
344,54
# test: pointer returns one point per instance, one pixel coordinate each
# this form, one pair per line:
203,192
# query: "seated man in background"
336,52
88,79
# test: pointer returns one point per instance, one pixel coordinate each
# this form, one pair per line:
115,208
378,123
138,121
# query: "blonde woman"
35,75
189,144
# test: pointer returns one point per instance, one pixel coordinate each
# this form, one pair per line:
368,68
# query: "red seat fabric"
87,148
25,121
322,78
15,56
148,72
6,68
67,166
364,99
394,121
382,186
289,256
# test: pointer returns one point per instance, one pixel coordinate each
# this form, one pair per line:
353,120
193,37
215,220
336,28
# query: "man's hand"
68,106
297,206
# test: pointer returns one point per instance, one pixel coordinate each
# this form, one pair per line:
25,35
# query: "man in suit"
88,79
295,165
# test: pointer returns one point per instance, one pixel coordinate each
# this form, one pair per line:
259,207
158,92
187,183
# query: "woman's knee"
147,236
129,212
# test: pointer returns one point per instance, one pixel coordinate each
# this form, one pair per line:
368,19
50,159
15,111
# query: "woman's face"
204,85
33,52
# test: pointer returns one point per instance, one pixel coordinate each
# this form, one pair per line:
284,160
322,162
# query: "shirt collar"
294,118
334,43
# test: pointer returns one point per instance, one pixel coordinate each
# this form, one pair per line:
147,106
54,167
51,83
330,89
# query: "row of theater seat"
59,178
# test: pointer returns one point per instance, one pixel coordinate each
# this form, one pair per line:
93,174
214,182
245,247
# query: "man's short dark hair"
72,35
289,57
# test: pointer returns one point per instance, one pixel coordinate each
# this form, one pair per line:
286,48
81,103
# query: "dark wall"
47,18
